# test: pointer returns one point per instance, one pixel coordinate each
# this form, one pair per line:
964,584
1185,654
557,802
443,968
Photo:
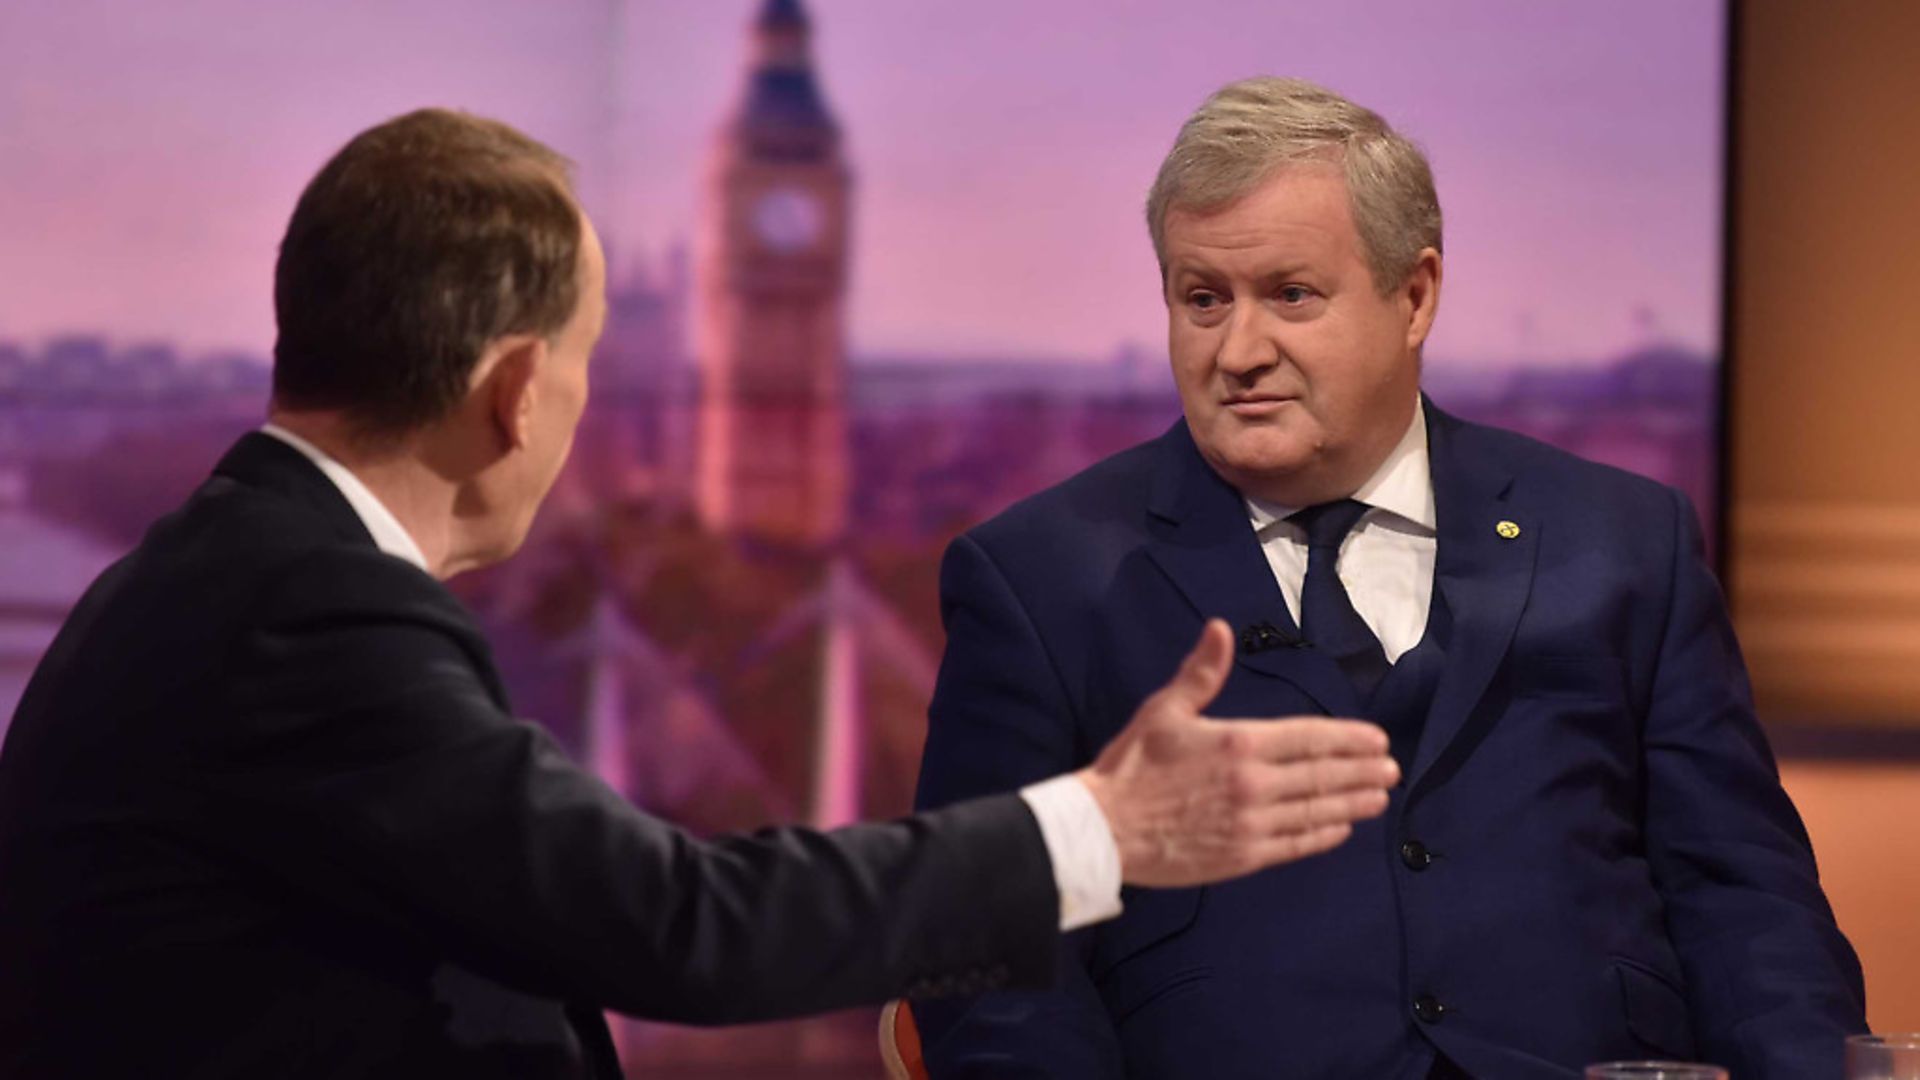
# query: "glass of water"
1883,1057
1655,1070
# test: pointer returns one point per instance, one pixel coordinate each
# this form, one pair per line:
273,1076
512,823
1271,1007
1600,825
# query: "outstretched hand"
1193,800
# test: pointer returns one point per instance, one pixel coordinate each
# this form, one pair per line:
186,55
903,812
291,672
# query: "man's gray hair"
1249,129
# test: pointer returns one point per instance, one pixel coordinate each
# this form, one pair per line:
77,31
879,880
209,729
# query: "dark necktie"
1327,618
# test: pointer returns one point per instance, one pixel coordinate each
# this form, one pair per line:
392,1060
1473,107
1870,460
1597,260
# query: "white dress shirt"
1386,562
1080,845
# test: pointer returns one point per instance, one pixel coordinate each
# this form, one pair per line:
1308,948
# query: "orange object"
900,1043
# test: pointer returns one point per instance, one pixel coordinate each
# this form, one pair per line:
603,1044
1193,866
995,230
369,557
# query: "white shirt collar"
1401,486
388,534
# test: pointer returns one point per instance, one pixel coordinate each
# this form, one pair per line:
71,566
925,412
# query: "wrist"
1100,786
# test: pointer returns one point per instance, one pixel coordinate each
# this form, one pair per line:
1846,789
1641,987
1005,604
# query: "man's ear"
506,375
1422,296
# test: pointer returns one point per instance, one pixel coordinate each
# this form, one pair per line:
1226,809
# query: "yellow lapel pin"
1507,530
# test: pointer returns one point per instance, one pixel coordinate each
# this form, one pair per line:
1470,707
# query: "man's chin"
1260,451
1265,475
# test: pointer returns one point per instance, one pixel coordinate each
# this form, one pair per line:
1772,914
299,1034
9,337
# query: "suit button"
1415,855
1428,1009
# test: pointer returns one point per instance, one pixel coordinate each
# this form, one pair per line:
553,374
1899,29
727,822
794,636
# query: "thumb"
1204,671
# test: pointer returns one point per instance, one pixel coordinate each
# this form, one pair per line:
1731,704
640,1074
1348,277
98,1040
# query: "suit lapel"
1484,571
1202,539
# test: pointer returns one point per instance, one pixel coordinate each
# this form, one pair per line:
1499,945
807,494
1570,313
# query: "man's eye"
1295,294
1204,300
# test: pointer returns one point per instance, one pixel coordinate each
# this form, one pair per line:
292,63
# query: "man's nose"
1249,345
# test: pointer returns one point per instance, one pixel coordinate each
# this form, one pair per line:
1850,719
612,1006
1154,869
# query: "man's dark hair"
422,240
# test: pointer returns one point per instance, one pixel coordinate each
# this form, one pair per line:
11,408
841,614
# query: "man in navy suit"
1590,857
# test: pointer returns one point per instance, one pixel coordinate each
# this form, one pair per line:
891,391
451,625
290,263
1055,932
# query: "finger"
1204,671
1305,815
1293,847
1296,737
1264,782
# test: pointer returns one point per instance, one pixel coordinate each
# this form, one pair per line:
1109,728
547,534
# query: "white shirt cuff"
1086,862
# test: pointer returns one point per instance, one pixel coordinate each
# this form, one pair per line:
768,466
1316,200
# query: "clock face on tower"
788,219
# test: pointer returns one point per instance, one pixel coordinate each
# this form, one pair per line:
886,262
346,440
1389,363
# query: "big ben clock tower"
771,284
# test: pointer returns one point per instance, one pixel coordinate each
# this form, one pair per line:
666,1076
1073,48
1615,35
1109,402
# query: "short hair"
1250,129
422,240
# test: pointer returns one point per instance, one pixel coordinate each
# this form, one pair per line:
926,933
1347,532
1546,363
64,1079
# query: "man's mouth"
1256,404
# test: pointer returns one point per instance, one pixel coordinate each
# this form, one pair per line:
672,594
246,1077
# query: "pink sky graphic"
150,153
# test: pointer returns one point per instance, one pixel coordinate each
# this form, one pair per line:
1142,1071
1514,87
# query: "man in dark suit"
264,810
1591,857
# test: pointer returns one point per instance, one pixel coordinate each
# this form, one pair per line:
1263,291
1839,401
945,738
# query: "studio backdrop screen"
728,608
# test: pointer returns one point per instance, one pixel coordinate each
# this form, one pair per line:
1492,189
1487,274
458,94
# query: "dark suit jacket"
1612,869
264,812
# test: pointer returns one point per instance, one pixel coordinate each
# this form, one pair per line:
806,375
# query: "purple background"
1004,323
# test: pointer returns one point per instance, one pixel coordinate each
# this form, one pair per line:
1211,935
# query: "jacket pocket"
1656,1009
1162,989
1152,917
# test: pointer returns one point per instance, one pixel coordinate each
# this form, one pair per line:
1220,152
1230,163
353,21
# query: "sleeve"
1080,844
1000,719
364,761
1773,986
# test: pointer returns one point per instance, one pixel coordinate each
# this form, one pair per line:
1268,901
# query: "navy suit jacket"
1612,869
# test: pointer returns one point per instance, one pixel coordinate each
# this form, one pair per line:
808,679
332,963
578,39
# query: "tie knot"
1328,524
